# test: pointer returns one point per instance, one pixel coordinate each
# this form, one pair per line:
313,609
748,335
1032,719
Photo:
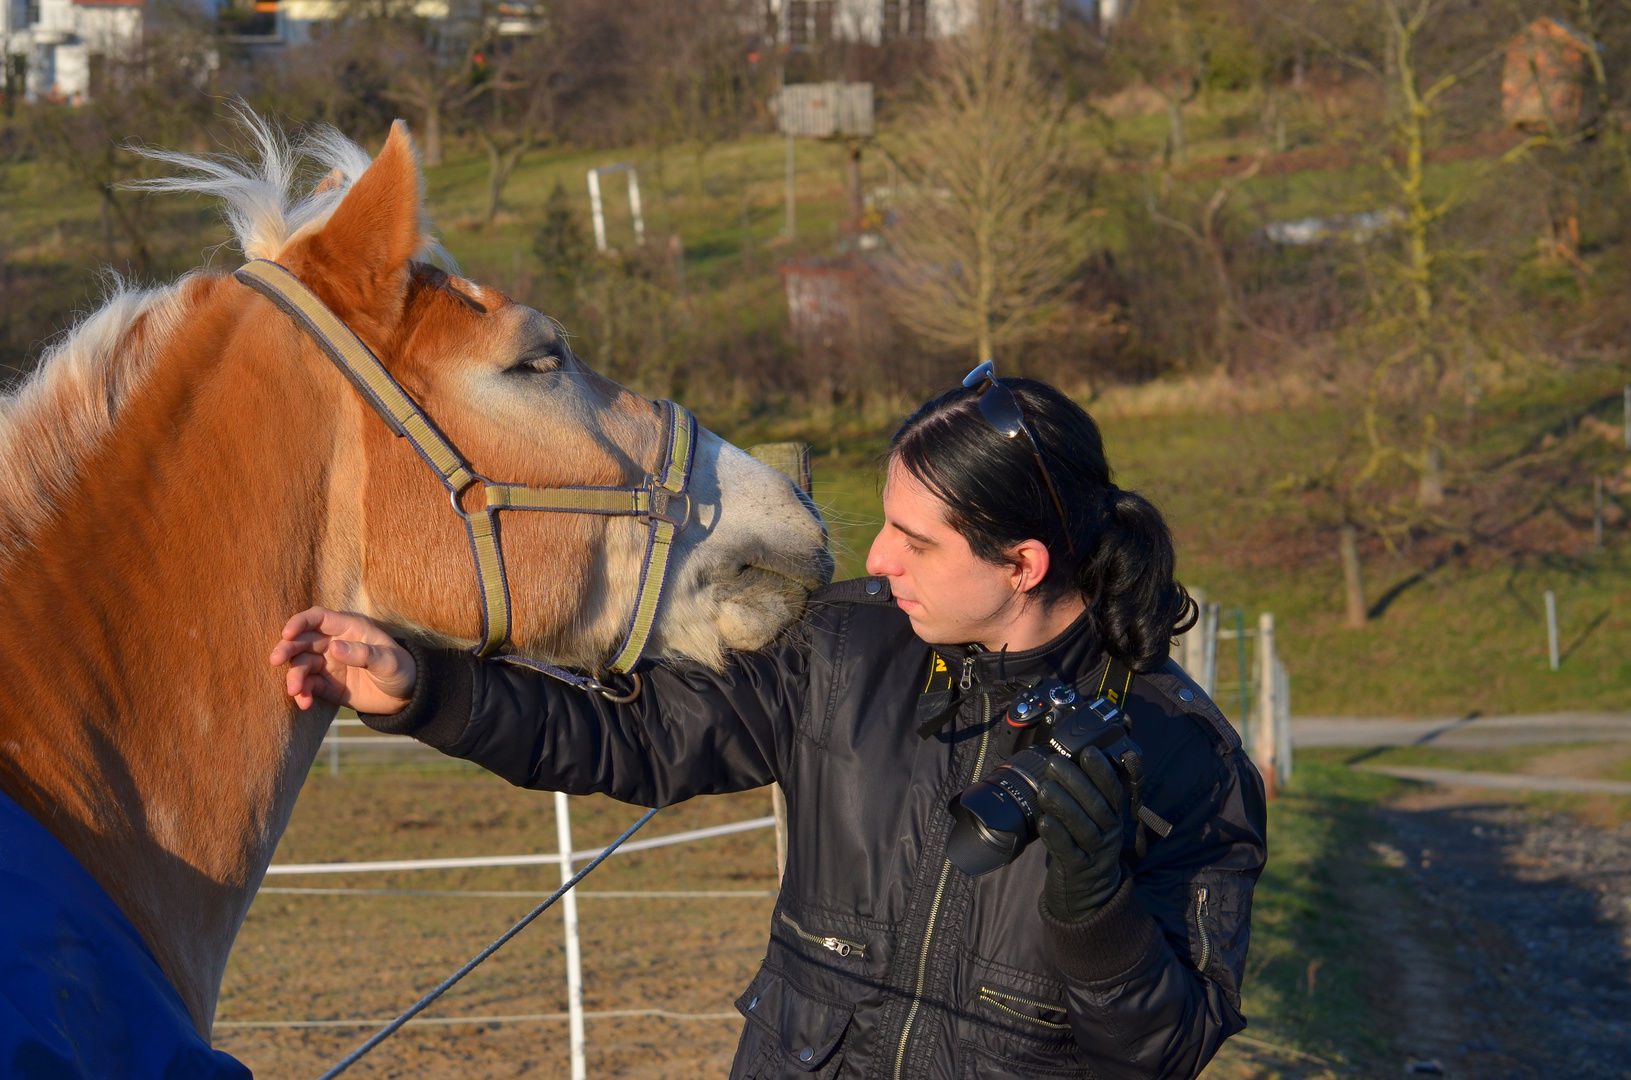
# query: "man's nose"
880,561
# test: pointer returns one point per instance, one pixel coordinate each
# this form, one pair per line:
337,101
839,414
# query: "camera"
995,818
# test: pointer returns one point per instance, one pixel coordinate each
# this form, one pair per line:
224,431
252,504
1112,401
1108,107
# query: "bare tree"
433,72
983,257
521,82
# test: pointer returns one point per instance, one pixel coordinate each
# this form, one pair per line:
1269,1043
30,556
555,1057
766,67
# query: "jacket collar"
1068,657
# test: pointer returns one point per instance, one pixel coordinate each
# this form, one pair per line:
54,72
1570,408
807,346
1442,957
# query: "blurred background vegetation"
1344,281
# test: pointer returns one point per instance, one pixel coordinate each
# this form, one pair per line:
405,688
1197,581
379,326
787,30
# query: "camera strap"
1114,685
939,698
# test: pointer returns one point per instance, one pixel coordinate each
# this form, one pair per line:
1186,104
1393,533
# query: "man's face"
951,595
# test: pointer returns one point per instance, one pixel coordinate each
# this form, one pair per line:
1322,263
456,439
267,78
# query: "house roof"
1551,26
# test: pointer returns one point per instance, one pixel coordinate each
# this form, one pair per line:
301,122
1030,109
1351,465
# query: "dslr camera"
995,818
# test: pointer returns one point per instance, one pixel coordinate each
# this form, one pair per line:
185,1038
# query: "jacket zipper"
997,997
940,890
967,680
1200,924
832,944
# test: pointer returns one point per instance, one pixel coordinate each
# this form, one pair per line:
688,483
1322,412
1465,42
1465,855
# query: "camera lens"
996,818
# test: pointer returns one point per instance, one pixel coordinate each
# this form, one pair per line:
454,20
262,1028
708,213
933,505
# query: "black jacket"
884,960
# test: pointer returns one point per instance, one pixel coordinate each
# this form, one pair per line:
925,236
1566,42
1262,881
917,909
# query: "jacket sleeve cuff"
1109,942
443,690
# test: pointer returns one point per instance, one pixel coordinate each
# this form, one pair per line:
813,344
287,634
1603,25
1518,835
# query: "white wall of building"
60,44
863,20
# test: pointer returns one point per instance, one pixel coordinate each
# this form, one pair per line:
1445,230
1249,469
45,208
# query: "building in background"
58,50
802,24
1543,79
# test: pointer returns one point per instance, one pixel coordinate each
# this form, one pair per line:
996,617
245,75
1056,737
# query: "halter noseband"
662,501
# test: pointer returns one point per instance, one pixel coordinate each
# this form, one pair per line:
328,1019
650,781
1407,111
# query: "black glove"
1081,824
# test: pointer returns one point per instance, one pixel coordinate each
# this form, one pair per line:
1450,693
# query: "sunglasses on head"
1001,410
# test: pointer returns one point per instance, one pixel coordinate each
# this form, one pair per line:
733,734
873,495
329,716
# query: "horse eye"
541,359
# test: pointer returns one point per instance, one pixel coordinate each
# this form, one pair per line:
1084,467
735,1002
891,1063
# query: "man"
1006,557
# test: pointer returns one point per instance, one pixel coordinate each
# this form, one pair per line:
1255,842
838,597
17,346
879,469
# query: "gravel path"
1466,733
1527,922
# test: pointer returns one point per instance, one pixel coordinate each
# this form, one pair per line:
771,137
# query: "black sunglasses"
1001,410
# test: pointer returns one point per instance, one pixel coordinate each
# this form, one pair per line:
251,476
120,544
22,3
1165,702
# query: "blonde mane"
70,403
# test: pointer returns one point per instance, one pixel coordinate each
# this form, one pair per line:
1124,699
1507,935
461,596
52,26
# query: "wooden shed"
1543,81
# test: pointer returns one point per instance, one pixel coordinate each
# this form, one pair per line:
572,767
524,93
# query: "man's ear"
358,262
1031,562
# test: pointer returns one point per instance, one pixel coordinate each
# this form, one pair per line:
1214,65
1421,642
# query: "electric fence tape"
423,1003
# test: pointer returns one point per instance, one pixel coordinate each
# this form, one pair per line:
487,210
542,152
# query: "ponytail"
1133,601
1113,548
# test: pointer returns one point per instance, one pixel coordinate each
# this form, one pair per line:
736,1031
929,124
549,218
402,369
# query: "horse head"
503,385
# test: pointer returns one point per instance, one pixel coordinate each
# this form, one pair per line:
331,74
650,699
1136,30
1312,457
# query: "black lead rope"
423,1003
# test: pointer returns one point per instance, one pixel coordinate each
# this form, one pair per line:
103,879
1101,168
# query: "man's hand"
346,659
1081,824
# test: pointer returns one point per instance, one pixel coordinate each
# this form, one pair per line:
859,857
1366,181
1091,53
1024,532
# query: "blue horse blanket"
81,995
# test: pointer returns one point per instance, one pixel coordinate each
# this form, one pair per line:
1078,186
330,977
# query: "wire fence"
1256,694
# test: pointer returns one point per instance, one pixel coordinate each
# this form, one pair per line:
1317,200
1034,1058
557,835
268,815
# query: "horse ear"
358,261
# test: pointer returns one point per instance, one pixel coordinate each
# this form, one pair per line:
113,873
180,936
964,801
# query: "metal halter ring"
611,694
662,502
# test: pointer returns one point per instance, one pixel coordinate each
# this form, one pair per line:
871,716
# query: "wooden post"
857,200
1551,628
791,230
1628,416
1353,581
1597,516
1266,706
793,460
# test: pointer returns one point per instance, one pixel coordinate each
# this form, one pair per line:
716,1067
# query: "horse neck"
139,719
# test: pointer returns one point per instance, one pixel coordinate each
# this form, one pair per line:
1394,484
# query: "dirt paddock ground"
319,957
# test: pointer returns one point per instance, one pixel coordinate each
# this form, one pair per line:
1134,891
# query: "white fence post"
1264,744
1192,645
1209,649
1282,738
334,747
597,210
574,958
1551,628
634,206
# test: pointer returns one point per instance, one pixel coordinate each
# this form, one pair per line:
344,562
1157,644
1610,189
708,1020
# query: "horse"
186,467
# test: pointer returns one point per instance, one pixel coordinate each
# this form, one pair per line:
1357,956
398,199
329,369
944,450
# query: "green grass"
1304,914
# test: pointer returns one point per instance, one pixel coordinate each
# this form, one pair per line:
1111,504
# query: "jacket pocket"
1025,1010
804,1030
1219,926
836,945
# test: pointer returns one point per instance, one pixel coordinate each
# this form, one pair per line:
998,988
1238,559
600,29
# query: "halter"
662,501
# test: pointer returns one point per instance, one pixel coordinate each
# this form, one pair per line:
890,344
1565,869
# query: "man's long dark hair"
995,498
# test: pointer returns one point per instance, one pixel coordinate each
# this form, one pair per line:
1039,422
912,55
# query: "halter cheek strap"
663,501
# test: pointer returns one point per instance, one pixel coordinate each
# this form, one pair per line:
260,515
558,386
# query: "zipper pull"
1201,895
968,674
842,948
